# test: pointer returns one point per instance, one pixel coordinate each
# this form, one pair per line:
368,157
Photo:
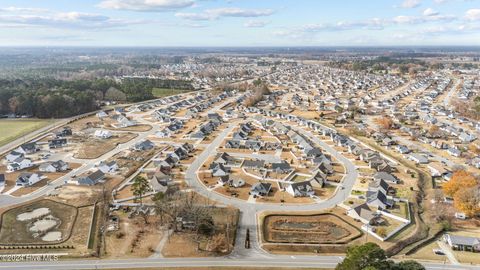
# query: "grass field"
15,128
165,92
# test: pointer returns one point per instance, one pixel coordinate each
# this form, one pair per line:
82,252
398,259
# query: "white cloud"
195,16
472,15
255,24
146,5
429,16
74,20
430,12
406,19
213,14
410,3
77,16
23,10
447,1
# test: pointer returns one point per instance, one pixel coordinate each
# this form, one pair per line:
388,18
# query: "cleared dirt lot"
137,128
134,238
95,148
78,195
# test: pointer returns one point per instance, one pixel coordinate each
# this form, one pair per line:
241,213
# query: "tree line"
52,98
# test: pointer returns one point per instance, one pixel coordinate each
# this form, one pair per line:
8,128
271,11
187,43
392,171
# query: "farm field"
165,92
15,128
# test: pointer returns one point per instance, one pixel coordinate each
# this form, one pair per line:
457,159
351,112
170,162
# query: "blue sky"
239,22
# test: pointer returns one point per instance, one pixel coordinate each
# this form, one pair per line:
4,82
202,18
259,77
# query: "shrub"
446,225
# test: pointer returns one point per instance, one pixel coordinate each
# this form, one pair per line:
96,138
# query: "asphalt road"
249,211
272,261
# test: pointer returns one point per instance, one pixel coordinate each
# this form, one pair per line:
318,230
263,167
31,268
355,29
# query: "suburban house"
101,114
56,166
13,156
281,167
143,145
464,243
236,183
224,180
319,177
91,178
64,132
325,166
387,177
300,189
168,162
19,164
381,185
27,179
234,144
253,164
219,170
418,158
402,149
122,121
362,212
159,181
379,199
224,159
28,148
108,167
260,189
164,133
437,169
103,134
57,143
454,152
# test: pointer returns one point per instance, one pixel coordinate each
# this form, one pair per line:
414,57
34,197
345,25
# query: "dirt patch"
182,244
134,238
137,128
77,195
94,148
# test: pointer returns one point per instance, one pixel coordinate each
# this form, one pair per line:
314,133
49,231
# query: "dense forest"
47,98
404,65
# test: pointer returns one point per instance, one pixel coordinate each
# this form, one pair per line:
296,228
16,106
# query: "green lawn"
358,192
165,92
12,129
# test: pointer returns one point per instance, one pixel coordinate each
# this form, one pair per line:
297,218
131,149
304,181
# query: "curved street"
249,211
